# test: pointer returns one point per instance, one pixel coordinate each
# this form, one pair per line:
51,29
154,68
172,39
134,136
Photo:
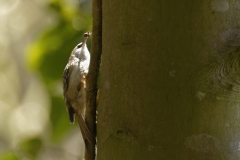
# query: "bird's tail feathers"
84,129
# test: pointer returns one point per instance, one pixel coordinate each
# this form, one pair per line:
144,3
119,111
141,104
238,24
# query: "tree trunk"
169,80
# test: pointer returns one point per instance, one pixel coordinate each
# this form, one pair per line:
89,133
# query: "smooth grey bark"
169,80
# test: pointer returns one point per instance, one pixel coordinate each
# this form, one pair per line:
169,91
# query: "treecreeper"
74,86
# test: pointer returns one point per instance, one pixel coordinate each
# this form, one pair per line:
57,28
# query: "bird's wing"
66,79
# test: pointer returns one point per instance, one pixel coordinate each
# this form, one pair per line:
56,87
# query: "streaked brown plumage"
74,91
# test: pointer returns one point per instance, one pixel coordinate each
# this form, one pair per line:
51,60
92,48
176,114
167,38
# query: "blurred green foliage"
9,156
49,54
30,147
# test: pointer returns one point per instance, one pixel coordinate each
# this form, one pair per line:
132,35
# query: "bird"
74,86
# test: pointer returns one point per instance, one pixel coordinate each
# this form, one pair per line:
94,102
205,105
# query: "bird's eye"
79,45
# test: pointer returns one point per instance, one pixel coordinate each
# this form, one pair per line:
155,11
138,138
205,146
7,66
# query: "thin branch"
92,77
